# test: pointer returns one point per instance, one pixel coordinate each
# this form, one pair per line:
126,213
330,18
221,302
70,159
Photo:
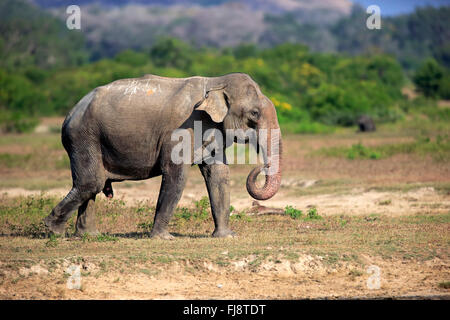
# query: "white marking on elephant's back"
131,89
136,86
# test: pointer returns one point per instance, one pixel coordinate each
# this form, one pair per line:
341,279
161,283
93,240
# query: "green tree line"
45,70
310,90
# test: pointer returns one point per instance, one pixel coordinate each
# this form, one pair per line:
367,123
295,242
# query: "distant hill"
111,26
271,6
410,37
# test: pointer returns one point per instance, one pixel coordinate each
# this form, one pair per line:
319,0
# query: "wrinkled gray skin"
122,131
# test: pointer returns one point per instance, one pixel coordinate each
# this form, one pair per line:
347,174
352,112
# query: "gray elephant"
122,131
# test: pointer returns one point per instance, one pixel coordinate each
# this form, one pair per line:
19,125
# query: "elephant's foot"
224,233
165,235
93,232
57,228
85,226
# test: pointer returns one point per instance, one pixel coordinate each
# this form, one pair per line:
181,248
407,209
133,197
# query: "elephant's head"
237,101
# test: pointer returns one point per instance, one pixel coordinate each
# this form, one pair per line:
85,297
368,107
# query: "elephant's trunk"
272,168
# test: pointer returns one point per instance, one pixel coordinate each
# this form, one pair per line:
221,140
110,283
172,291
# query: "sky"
394,7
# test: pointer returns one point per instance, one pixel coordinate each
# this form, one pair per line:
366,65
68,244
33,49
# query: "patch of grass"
14,160
145,226
24,215
427,218
105,238
35,183
43,159
355,273
358,151
34,230
99,238
444,285
371,217
291,256
183,213
438,148
307,127
63,163
199,212
313,214
335,238
385,202
143,208
103,266
146,271
342,221
163,259
202,208
292,212
240,216
52,241
298,214
332,258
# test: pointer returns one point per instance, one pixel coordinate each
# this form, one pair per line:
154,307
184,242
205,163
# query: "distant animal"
122,131
366,124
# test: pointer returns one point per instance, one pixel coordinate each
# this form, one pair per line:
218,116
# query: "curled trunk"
273,180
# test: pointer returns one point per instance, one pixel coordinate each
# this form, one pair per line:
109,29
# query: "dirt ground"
307,278
401,186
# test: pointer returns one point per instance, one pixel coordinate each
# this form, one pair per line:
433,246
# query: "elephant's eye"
255,114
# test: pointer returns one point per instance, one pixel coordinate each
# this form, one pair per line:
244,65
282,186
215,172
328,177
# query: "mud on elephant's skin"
122,131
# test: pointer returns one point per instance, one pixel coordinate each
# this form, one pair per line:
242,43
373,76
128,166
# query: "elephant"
122,131
366,124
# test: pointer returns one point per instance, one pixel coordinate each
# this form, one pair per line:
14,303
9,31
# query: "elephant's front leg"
172,185
217,178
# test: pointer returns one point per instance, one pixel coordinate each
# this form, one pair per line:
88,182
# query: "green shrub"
183,213
313,214
428,78
16,122
444,86
202,208
292,212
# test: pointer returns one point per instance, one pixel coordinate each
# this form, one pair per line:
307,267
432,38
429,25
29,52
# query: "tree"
428,78
171,52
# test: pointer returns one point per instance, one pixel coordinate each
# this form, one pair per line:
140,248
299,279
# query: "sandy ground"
308,277
397,186
356,201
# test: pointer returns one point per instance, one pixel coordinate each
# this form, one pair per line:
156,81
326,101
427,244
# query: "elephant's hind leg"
88,180
86,218
57,219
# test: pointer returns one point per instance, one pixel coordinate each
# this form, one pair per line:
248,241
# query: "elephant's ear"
215,105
